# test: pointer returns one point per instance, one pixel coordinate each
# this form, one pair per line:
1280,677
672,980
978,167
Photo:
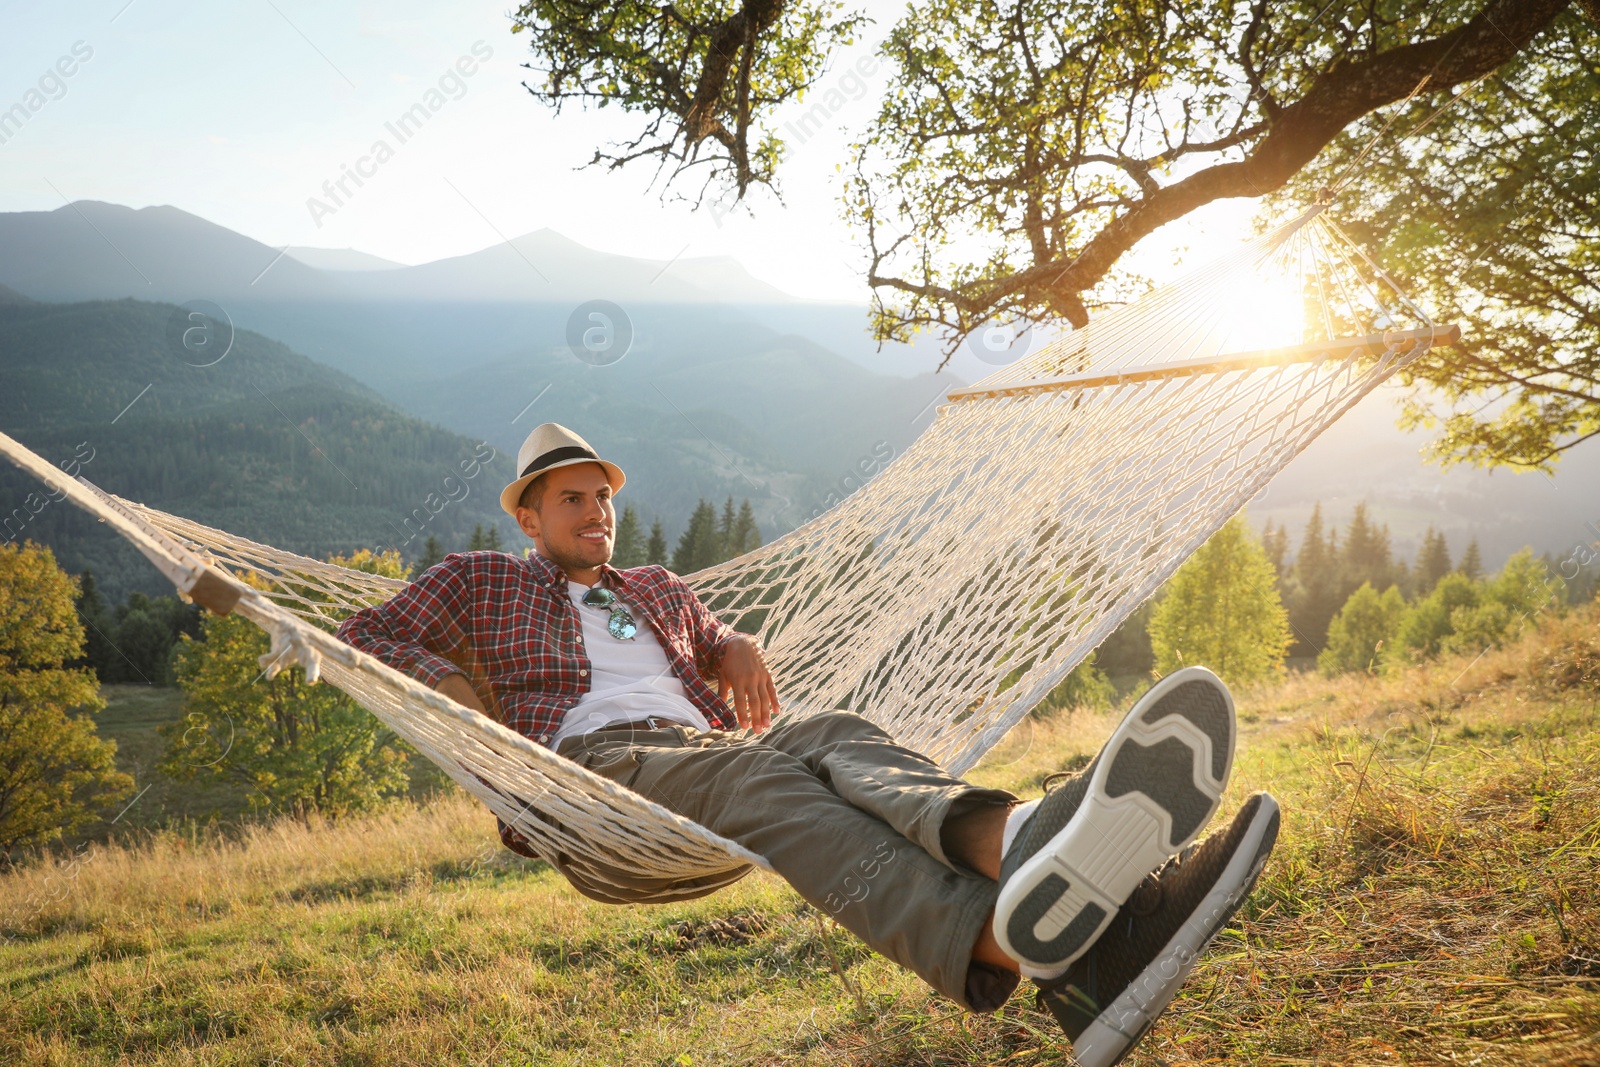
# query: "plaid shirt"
508,624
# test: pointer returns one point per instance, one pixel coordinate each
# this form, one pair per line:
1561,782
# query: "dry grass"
1433,899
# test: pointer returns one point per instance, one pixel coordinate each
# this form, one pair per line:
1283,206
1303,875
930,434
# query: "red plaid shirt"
508,624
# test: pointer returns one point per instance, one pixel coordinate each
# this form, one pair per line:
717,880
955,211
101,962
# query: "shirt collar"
556,578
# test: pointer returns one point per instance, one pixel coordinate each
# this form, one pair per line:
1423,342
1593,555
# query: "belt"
649,722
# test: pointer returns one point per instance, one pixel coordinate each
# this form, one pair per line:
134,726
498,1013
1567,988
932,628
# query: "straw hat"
549,446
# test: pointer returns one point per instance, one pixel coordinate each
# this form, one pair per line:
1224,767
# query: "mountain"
90,250
263,443
340,259
1366,457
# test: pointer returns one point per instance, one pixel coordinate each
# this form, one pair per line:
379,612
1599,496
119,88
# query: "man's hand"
457,688
744,674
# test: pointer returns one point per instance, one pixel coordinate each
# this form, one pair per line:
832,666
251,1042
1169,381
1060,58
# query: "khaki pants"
851,820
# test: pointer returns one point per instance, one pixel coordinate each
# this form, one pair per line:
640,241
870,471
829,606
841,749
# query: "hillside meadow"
1433,900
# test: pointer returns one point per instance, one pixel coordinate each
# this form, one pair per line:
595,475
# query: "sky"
240,112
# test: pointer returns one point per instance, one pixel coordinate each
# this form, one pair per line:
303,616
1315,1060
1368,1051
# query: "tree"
56,773
698,547
655,553
1364,627
293,746
1433,561
1471,560
630,547
432,553
1020,151
1487,219
1221,610
727,546
746,532
707,77
98,648
1314,596
1275,542
1427,623
1523,588
1366,556
484,539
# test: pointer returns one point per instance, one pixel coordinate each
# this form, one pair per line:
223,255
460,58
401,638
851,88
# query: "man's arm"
739,663
420,632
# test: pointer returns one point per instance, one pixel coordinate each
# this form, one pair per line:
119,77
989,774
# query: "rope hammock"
945,598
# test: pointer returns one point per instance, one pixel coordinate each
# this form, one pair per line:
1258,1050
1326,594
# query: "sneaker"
1108,999
1149,793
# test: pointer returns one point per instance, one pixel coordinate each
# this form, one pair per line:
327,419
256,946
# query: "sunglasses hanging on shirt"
620,624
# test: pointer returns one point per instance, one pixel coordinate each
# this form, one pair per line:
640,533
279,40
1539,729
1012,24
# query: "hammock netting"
948,596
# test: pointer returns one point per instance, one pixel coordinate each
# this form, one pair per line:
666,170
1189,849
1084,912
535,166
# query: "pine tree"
746,533
1314,596
492,541
1471,560
1367,556
655,553
477,542
1221,610
697,548
98,650
726,546
1433,561
1275,541
630,547
432,553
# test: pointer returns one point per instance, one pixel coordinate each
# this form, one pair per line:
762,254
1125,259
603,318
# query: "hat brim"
513,492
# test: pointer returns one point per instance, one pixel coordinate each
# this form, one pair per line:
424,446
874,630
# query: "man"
1094,891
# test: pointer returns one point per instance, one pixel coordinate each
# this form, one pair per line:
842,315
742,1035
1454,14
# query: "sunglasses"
621,624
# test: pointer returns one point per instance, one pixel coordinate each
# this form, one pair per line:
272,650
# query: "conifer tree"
1471,560
1275,542
432,553
1221,610
1315,594
1433,561
726,547
655,553
746,533
98,650
477,542
1366,556
697,548
630,546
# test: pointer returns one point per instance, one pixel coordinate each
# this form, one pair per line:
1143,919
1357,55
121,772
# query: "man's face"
575,526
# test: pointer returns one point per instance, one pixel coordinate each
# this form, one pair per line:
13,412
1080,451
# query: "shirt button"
544,738
582,673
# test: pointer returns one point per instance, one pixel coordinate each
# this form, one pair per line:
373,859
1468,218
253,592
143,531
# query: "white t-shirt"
628,680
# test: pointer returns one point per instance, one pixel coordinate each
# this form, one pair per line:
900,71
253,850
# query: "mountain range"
354,383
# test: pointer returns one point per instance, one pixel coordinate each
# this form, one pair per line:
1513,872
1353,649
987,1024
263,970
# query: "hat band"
556,455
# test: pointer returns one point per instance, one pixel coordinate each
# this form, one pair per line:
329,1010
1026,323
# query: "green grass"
132,715
1433,899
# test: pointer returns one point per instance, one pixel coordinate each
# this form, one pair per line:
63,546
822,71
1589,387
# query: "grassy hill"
264,443
1433,899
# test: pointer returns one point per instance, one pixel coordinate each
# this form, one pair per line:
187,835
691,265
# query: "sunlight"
1262,309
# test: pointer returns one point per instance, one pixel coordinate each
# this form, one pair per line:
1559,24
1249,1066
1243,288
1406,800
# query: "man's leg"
912,906
956,822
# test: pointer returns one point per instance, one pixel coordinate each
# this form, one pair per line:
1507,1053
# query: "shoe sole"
1119,1027
1155,785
